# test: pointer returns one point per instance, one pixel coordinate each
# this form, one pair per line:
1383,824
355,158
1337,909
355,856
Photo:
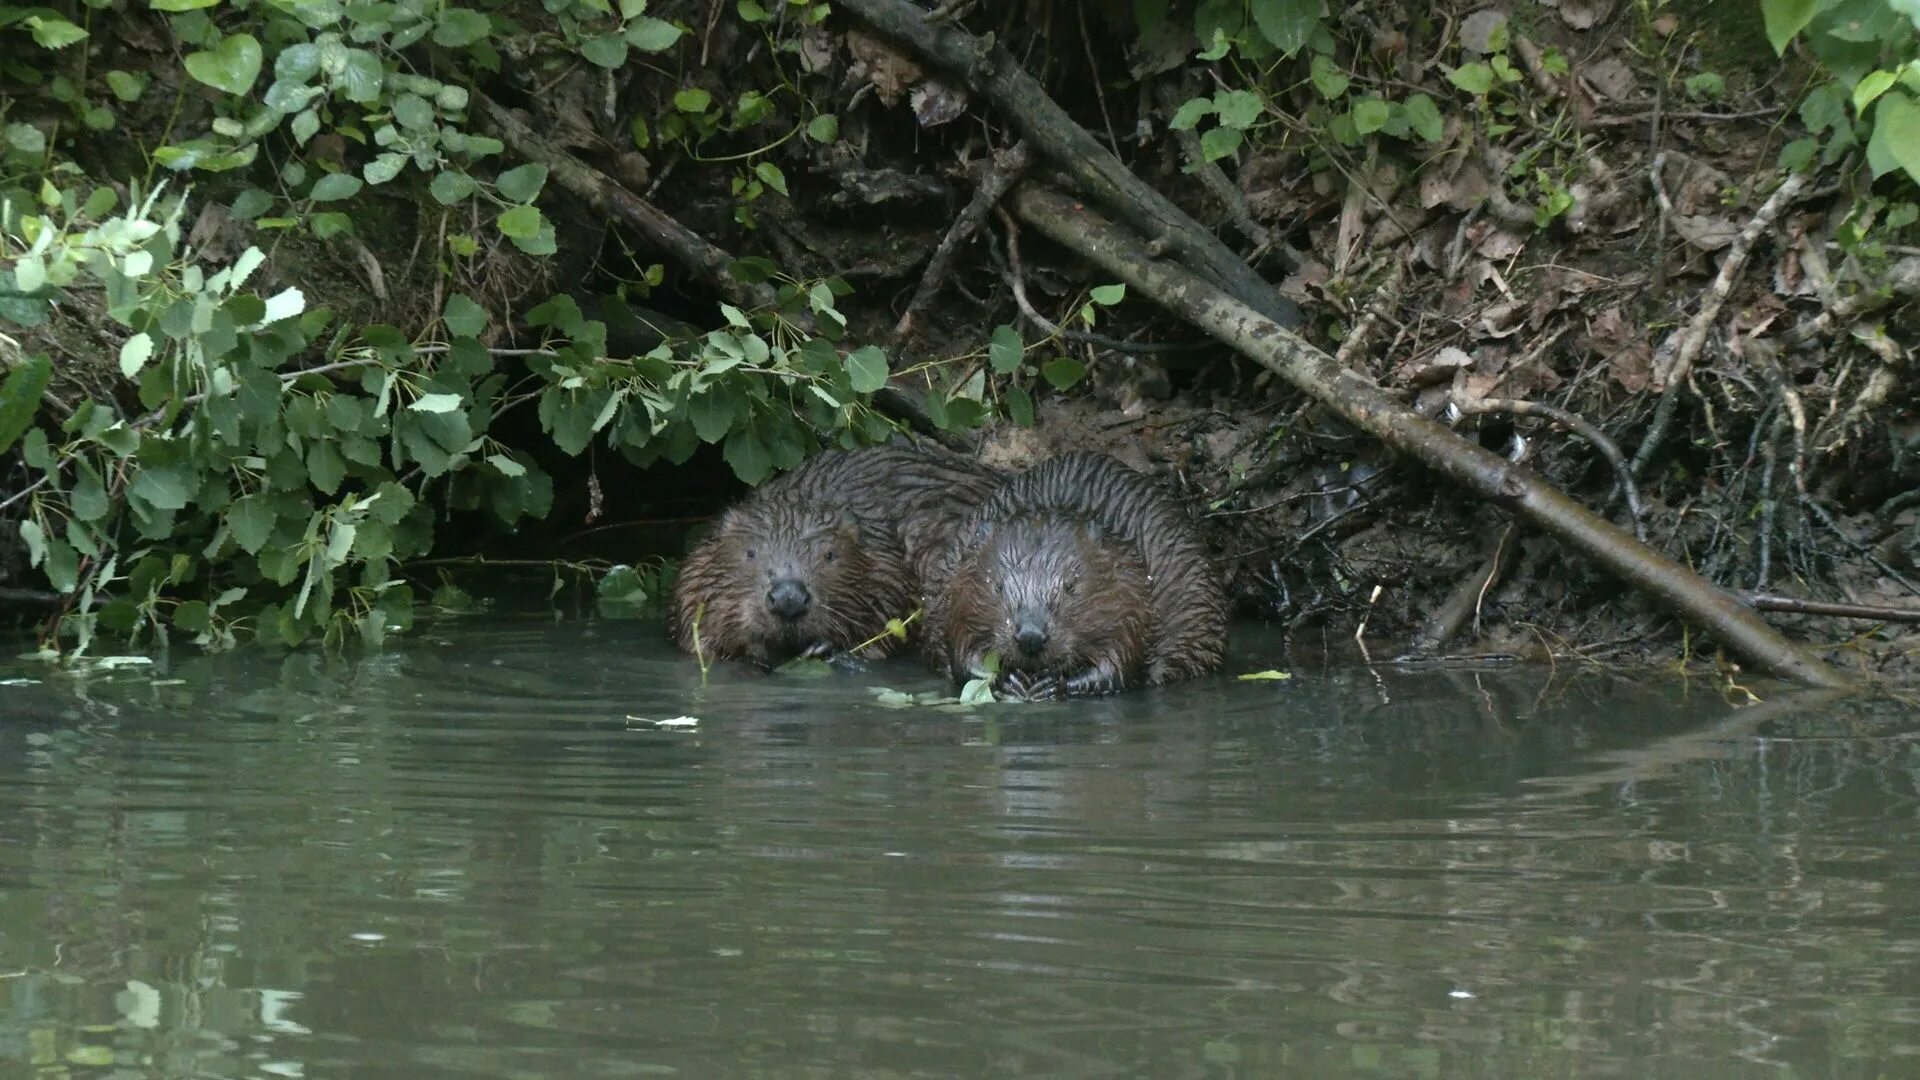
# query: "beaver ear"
849,524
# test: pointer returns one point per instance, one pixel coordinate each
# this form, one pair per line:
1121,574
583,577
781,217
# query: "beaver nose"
788,598
1031,635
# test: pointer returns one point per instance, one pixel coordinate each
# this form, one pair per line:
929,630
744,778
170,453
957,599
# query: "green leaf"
383,167
1370,115
325,467
1424,117
363,77
692,100
1238,109
824,128
1896,136
413,112
712,414
770,175
459,27
649,34
1870,88
521,221
125,86
607,50
250,522
1019,406
1785,19
165,487
52,32
1189,113
89,496
36,540
751,12
1063,372
192,616
867,367
1473,78
1108,295
1286,23
20,397
522,184
451,186
335,186
134,354
464,317
1005,350
1219,142
506,465
232,65
436,403
749,457
182,5
1328,79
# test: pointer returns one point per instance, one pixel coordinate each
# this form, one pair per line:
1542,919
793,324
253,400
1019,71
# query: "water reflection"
461,858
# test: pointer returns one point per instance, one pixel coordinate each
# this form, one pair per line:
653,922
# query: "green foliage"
1870,53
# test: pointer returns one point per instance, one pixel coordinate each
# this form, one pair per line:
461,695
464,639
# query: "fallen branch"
1366,406
993,73
1006,170
1578,426
1792,605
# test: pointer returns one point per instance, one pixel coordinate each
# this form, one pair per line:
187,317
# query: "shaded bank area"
1615,248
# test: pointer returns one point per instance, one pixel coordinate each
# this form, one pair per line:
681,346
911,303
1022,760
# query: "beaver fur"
817,560
1085,578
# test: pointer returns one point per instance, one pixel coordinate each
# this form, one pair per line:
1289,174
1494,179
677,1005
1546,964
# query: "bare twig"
1796,606
1007,168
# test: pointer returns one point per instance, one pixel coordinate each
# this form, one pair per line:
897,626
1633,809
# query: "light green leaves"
464,318
1786,18
20,397
1896,136
134,354
335,186
867,369
460,27
649,34
52,32
436,403
692,100
232,65
1005,350
1286,23
522,184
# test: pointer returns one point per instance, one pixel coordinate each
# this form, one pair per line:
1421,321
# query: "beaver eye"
749,553
999,589
1070,588
830,556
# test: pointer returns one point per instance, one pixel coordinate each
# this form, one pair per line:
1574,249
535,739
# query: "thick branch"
995,74
1367,407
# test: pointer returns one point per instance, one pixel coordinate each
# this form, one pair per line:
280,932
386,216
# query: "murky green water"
460,858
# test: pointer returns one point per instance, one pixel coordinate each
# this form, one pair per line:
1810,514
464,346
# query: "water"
461,859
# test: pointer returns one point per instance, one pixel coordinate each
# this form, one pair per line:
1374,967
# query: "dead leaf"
1476,30
1503,320
936,103
1708,232
888,71
1583,14
1500,245
1632,367
1437,367
1666,24
1610,77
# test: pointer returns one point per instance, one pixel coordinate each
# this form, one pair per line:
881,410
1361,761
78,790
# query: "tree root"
1369,408
1578,426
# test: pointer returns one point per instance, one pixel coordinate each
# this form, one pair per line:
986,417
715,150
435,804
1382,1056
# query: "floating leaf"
1268,675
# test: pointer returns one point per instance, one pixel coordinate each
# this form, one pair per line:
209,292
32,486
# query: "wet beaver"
817,560
1085,578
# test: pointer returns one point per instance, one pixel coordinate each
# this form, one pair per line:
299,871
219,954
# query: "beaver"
817,560
1085,578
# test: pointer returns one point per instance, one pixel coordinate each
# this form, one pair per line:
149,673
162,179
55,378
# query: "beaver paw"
1021,686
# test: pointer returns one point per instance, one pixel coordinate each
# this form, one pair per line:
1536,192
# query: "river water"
464,857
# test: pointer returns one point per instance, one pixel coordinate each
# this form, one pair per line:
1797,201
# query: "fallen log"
1366,406
993,73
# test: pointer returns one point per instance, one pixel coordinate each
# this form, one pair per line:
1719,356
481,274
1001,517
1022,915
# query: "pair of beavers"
1080,573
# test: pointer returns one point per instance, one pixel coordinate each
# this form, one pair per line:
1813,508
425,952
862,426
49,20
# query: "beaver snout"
1030,633
788,598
